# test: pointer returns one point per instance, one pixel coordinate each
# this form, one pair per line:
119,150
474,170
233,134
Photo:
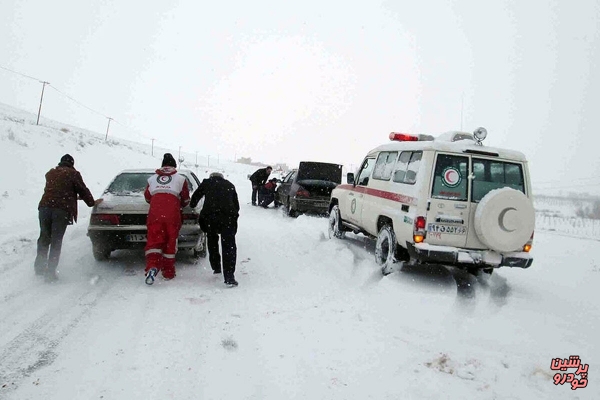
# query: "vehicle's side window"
401,166
195,180
287,177
385,165
190,183
408,167
450,178
413,167
365,172
290,177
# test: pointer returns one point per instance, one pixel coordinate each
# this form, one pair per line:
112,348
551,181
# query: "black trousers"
53,224
254,193
266,198
227,232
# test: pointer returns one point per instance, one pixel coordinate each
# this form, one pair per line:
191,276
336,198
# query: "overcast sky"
323,81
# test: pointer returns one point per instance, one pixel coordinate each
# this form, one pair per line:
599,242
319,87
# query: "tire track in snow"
35,346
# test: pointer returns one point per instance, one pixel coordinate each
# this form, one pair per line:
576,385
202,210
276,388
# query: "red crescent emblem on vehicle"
451,177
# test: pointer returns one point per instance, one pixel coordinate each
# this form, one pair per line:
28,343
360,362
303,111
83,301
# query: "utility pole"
179,156
218,159
208,159
107,128
152,147
44,83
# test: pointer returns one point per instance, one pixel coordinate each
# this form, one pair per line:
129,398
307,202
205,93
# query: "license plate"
136,238
451,229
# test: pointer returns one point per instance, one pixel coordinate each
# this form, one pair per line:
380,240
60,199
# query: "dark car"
307,189
119,222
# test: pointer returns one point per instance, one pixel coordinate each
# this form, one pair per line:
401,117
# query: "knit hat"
168,161
67,159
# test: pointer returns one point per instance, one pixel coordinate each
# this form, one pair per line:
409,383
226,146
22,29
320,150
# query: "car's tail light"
302,193
419,230
420,223
104,219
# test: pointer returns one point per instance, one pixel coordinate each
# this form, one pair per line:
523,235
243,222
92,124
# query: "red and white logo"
164,179
451,177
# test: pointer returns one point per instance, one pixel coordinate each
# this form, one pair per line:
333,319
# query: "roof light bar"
405,137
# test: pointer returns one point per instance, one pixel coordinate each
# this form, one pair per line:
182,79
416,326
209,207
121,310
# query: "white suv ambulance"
446,200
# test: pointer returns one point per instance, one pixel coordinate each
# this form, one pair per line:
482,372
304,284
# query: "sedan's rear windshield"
320,171
129,183
493,174
133,182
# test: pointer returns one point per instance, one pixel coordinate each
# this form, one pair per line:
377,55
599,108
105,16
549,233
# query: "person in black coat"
259,178
219,216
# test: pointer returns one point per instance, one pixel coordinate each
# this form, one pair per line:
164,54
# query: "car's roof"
319,162
149,170
440,144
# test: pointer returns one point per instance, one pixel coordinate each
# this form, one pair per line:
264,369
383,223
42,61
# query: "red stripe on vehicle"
400,198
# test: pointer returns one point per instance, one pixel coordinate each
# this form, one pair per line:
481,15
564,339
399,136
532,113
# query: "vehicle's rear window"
129,182
450,178
493,174
320,171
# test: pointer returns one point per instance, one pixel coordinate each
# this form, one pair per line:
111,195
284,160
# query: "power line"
82,105
110,119
19,73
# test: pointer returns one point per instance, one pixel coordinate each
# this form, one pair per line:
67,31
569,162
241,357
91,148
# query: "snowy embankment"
312,318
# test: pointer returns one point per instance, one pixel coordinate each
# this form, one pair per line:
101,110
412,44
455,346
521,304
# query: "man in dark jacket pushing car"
219,216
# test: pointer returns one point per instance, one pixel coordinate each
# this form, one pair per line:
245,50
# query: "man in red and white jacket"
167,192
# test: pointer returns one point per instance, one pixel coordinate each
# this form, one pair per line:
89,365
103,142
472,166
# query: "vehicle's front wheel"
101,251
385,249
335,224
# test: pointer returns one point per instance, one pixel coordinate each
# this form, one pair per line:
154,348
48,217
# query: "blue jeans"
53,224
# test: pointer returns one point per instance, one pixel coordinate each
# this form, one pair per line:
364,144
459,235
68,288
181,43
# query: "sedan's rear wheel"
291,212
385,249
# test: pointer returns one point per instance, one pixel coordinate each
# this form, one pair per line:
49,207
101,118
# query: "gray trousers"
53,224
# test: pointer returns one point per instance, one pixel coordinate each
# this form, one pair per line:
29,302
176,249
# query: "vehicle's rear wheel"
291,212
335,224
385,249
101,251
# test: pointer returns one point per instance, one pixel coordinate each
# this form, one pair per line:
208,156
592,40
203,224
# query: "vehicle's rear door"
318,180
490,174
448,214
283,191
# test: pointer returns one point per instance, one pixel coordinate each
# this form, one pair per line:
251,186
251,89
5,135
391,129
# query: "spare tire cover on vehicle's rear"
505,220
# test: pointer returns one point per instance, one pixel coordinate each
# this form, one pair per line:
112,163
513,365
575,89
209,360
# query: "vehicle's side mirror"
350,178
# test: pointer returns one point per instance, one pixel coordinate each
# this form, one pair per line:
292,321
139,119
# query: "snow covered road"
312,318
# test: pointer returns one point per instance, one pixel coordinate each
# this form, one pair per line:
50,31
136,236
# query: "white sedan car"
119,222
